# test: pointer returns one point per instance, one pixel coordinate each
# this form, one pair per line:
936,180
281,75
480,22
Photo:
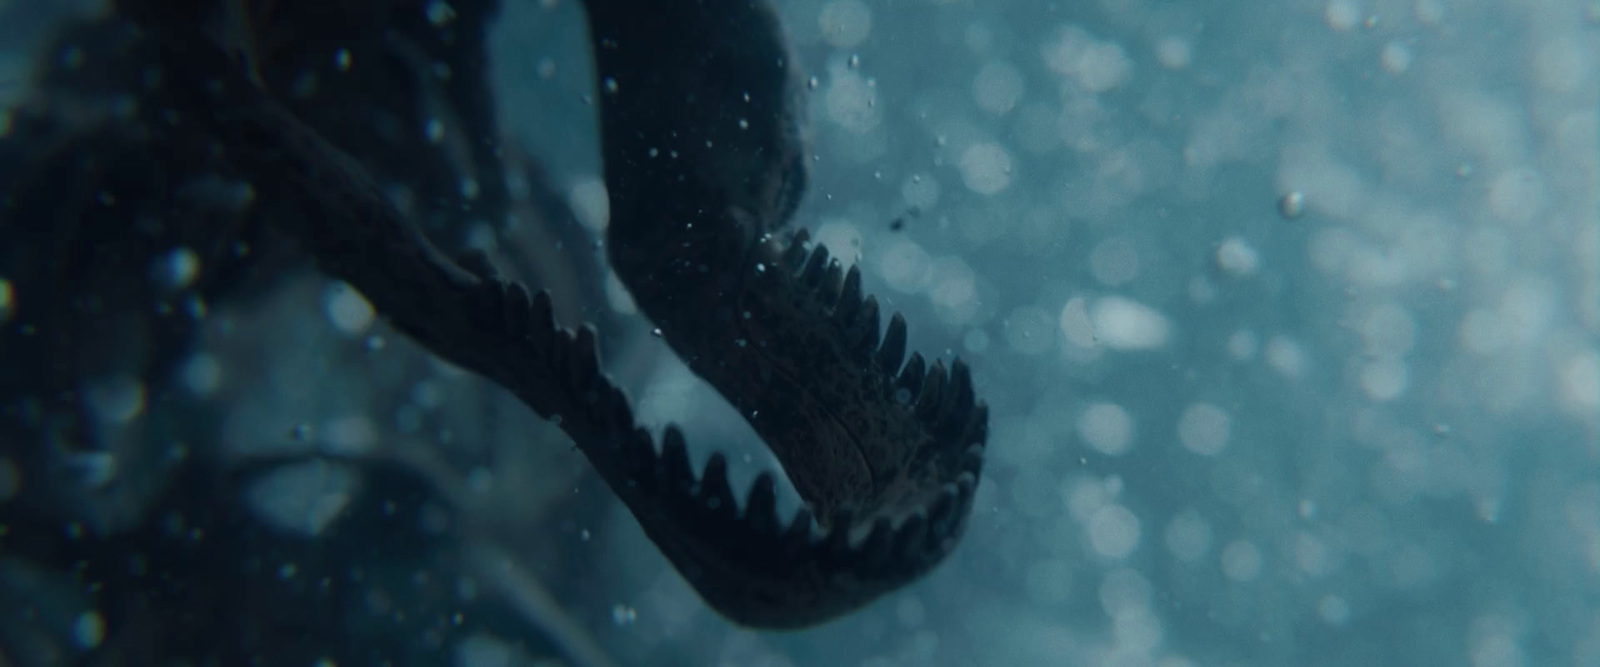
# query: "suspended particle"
623,615
899,222
1292,205
812,83
341,59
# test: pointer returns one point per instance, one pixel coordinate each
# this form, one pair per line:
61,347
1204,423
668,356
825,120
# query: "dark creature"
703,164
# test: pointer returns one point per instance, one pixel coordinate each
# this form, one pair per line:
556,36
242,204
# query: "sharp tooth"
932,393
832,284
639,457
942,513
864,340
621,412
977,428
972,460
957,404
811,275
893,349
517,312
966,482
583,367
875,549
715,493
795,254
849,303
798,535
837,541
910,381
541,318
911,539
761,506
675,474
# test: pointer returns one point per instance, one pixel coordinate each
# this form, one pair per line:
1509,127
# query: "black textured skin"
885,450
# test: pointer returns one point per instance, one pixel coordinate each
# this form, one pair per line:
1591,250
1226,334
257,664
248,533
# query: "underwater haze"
1287,314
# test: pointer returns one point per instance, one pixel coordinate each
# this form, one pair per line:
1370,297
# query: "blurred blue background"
1288,314
1354,427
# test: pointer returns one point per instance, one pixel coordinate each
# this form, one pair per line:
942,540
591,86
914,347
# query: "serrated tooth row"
886,544
669,475
840,291
522,314
942,400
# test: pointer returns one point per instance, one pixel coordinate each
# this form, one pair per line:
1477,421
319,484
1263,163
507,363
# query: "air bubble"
1292,205
622,615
